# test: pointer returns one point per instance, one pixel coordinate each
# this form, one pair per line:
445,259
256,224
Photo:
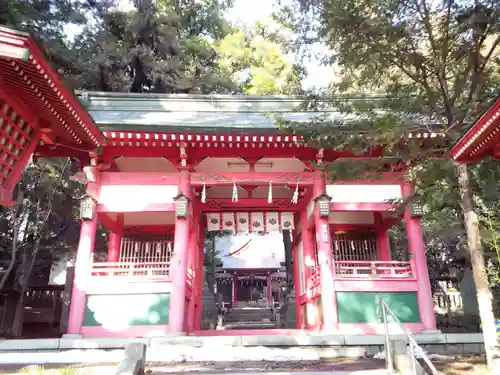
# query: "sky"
247,12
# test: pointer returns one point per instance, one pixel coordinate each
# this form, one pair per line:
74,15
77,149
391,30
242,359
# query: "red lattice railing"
141,259
143,249
147,271
374,269
355,246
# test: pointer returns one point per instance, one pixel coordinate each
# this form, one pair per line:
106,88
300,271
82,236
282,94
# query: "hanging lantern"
323,205
181,205
417,210
87,206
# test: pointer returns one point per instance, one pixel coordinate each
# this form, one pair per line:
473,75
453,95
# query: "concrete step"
235,320
252,317
252,308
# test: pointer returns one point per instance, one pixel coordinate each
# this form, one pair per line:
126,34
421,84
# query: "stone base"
72,336
134,361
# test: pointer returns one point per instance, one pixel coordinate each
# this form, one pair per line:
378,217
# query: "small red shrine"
163,170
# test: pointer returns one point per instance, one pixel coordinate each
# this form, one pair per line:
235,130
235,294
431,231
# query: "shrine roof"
34,91
481,139
36,109
174,113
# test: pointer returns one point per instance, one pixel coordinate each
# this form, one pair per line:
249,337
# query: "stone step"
250,308
250,313
233,319
249,325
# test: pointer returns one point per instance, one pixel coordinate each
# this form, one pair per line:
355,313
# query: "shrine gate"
161,170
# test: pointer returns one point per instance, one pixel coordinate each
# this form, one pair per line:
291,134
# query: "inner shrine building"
163,172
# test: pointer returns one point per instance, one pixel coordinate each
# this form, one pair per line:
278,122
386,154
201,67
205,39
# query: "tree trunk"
9,311
476,252
18,321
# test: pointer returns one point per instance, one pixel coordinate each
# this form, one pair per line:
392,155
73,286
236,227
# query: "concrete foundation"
201,348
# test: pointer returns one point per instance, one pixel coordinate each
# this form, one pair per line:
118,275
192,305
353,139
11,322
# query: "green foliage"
404,67
256,59
408,67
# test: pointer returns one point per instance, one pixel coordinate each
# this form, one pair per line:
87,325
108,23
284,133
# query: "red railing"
372,269
143,271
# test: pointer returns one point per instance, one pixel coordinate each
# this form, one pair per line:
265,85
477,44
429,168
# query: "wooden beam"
277,178
362,207
248,204
139,178
152,207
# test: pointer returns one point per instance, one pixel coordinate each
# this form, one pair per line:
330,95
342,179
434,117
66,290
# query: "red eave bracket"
479,137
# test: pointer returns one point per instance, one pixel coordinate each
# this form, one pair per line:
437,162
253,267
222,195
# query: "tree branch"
439,71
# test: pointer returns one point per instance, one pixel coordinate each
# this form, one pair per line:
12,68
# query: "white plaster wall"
363,193
135,197
364,218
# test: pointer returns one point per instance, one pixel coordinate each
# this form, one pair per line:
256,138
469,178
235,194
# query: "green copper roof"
199,113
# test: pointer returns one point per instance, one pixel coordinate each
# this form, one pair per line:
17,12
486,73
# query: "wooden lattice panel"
15,136
355,246
149,252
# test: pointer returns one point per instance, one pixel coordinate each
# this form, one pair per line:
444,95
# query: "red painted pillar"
308,263
199,277
115,240
177,308
296,275
383,243
192,268
325,261
82,267
419,262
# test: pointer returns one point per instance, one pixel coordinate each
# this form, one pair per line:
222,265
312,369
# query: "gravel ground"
334,364
465,365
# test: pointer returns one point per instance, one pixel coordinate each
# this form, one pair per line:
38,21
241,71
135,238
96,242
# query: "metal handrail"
409,338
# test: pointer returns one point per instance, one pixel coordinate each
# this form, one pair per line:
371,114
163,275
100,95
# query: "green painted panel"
361,307
121,311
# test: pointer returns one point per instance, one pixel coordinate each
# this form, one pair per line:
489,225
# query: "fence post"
388,351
